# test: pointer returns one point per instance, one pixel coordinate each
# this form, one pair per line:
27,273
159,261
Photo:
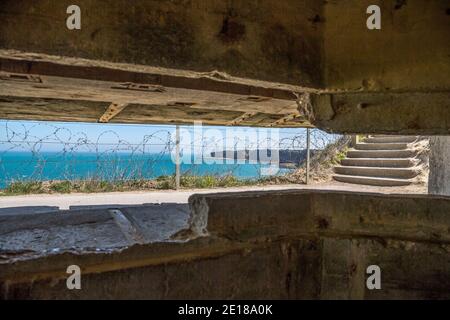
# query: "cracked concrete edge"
198,222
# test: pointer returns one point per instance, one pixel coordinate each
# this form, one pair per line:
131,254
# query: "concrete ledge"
280,245
325,213
88,230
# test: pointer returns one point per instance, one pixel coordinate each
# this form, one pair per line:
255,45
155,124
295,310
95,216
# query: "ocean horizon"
53,165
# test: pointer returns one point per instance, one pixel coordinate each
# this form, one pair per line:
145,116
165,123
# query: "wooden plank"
285,119
71,88
41,64
72,99
176,114
113,110
241,118
41,109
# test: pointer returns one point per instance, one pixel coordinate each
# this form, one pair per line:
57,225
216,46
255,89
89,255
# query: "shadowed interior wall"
268,40
278,245
410,52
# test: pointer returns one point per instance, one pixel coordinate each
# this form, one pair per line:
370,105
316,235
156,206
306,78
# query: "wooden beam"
241,118
113,110
285,119
72,99
127,76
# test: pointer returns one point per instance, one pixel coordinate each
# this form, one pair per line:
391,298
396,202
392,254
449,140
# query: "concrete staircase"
381,160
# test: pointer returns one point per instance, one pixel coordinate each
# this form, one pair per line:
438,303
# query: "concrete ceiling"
272,63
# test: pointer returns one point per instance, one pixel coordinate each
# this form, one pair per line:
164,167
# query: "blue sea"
44,166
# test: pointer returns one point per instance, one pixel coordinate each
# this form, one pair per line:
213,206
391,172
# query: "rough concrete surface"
54,202
263,244
439,178
345,78
93,229
311,43
253,39
288,244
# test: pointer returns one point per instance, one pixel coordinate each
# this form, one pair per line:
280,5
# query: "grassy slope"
92,186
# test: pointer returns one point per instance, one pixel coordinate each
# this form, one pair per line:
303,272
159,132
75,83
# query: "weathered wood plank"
241,118
113,110
345,112
41,64
73,99
40,109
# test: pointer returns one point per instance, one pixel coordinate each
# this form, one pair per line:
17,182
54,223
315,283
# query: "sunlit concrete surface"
52,202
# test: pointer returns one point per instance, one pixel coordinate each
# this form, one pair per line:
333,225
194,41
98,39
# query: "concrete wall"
409,52
313,43
439,178
280,245
393,80
268,40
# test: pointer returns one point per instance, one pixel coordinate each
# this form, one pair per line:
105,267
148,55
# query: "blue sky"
22,135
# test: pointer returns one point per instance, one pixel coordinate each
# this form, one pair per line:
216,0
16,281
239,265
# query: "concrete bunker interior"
255,63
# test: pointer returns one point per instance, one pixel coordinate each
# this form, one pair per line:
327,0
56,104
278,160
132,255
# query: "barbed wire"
34,150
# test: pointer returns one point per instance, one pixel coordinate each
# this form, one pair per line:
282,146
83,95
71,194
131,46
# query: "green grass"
213,182
23,187
96,186
339,156
204,182
61,187
362,137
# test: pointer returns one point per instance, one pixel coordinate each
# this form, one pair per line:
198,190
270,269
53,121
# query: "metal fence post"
177,159
308,142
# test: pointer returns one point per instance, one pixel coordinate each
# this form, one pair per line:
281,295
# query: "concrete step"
381,153
381,146
373,181
396,173
391,139
389,135
377,162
